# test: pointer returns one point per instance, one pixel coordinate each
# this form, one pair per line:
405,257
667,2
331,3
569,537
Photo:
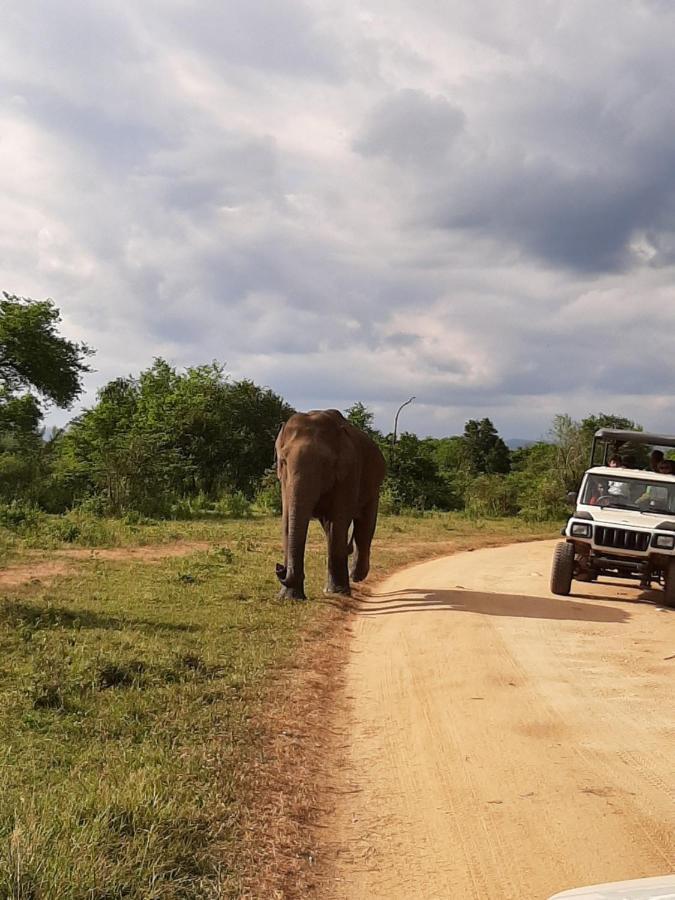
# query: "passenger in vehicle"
597,490
655,457
666,467
617,488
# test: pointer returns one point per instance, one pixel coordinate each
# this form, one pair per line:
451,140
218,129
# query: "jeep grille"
621,538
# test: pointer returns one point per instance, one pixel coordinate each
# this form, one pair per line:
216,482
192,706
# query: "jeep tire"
563,569
669,587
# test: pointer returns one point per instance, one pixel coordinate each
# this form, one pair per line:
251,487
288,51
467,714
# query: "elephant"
331,471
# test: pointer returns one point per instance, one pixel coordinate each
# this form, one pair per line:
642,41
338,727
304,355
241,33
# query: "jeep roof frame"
611,437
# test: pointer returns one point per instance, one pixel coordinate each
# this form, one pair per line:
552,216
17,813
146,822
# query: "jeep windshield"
623,492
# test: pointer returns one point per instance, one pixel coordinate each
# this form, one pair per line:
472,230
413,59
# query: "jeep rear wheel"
563,568
669,587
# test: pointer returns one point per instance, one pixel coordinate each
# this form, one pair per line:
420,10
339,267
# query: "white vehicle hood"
613,517
662,888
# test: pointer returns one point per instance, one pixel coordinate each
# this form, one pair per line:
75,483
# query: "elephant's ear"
277,451
346,455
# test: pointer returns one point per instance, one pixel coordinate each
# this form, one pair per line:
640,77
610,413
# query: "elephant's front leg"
364,529
337,581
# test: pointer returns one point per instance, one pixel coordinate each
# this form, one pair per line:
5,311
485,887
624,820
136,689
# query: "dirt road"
500,743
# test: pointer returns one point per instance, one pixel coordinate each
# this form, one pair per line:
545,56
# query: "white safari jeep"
623,524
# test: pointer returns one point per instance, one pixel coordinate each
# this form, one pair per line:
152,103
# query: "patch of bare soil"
64,561
492,741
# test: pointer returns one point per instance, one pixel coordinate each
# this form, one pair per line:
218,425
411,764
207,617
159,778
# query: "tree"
362,417
539,489
163,435
415,480
33,357
37,367
634,454
485,453
571,458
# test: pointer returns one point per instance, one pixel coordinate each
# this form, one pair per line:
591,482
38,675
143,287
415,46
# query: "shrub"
389,502
181,509
542,500
95,505
490,495
65,529
20,516
234,506
268,498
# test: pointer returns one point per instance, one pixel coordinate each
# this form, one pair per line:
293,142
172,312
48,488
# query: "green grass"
129,696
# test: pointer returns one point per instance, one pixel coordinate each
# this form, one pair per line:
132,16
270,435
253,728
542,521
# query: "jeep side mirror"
572,498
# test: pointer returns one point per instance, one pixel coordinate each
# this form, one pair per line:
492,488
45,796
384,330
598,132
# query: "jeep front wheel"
669,587
563,568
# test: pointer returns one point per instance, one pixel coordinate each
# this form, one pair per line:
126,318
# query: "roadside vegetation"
169,444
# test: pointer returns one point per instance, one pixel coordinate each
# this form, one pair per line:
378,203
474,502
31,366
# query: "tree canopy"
167,434
157,441
34,357
485,453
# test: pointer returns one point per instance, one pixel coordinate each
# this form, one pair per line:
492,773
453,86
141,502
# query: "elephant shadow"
418,600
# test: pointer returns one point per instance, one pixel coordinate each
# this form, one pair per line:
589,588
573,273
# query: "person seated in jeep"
597,488
655,457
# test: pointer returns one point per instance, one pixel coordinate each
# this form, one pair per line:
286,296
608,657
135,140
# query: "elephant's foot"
341,589
359,573
291,593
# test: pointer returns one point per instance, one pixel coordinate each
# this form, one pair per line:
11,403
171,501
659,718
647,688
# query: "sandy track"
500,742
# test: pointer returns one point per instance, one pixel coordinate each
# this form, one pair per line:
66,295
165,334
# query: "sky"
471,203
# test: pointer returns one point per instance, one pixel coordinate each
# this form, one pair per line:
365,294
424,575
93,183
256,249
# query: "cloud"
411,128
347,202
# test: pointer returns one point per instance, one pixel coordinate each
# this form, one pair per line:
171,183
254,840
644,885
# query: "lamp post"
393,439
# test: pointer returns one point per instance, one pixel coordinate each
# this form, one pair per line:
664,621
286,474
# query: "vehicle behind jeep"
623,525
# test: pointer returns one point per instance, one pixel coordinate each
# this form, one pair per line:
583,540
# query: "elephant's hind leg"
364,529
337,580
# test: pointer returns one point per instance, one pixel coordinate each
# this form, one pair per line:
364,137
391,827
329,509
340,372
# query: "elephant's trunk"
292,574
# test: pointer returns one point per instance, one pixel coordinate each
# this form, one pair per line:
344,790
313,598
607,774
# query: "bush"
95,505
234,506
181,509
197,507
65,529
542,500
268,498
20,516
490,495
390,505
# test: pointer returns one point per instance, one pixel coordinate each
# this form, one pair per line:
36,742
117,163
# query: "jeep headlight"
581,529
664,541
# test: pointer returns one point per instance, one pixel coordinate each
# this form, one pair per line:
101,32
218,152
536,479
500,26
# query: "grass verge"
160,724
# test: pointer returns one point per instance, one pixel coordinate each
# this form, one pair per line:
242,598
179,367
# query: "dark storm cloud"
584,221
567,171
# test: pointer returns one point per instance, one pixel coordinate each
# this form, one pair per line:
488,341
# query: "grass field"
131,695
